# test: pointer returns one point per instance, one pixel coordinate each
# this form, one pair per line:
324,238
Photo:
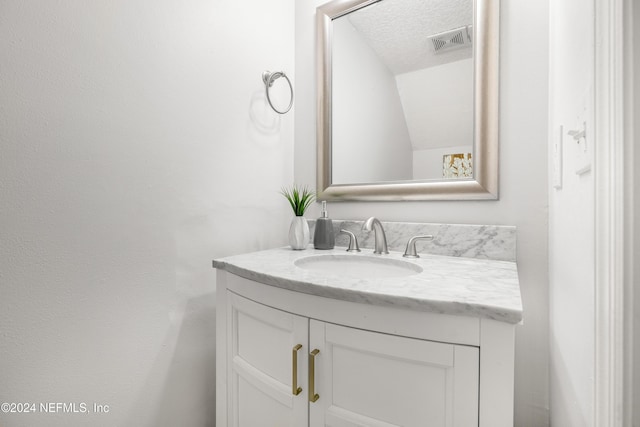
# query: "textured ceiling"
397,30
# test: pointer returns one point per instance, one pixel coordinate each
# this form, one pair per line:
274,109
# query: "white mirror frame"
484,184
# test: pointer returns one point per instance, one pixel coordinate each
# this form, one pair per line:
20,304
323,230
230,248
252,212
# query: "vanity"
331,338
407,109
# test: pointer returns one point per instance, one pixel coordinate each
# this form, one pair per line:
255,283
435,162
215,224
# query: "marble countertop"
450,285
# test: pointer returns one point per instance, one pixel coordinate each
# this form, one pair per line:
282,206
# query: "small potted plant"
300,198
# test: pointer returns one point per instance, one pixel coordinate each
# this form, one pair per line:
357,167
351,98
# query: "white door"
265,348
371,379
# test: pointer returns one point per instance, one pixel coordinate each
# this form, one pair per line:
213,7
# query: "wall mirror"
407,99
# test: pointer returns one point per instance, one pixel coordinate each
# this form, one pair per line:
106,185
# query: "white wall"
135,147
523,179
368,130
438,104
571,221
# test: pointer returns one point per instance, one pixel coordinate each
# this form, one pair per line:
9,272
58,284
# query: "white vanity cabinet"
290,359
368,378
263,347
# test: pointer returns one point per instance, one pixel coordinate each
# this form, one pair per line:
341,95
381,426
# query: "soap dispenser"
323,237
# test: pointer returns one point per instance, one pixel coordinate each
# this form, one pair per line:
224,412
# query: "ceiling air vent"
452,39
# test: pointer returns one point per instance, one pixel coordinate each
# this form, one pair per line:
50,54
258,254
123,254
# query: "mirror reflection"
402,98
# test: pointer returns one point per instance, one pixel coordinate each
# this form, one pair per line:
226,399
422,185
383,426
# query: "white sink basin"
358,266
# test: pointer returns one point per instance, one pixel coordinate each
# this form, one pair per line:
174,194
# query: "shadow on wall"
263,120
187,396
565,402
190,386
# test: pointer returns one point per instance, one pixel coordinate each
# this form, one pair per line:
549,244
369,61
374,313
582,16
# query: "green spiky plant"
300,198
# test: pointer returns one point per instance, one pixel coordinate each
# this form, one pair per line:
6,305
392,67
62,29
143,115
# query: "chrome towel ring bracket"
268,78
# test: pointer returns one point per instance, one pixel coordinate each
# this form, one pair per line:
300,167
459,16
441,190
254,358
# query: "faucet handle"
410,251
353,241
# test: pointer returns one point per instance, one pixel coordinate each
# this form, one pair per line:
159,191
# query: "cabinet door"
371,379
261,356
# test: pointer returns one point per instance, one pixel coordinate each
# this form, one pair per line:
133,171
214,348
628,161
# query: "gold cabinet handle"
312,376
294,375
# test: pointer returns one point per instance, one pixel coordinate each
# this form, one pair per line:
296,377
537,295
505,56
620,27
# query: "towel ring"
268,78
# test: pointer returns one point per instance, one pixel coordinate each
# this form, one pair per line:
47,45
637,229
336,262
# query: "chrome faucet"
410,251
353,241
374,224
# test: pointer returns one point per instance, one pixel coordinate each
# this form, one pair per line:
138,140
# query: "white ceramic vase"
299,233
